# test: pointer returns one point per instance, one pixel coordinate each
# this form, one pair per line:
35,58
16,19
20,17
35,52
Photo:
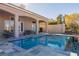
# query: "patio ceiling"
4,13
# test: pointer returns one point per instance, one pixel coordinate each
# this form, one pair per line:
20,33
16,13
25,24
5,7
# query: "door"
21,27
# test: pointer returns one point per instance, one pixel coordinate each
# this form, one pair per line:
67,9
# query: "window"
8,25
34,26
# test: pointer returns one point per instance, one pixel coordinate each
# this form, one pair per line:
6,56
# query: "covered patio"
17,20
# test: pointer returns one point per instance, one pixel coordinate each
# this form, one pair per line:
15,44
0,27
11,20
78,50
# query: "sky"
52,10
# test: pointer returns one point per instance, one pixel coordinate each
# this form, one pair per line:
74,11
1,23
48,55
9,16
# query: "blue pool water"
53,41
57,41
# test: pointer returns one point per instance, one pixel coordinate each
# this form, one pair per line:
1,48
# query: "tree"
74,27
71,22
59,19
52,22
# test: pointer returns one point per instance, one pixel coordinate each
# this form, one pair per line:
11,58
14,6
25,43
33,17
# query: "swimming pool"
53,41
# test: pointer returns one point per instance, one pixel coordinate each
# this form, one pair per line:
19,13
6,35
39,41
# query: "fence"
59,28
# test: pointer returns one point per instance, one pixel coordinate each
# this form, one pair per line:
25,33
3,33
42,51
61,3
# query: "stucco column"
16,26
37,28
47,26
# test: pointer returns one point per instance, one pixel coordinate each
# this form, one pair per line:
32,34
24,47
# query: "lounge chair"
7,34
28,32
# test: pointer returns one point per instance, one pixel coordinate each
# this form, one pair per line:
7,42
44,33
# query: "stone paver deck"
46,51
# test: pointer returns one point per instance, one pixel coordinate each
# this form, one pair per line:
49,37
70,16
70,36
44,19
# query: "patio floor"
45,51
8,49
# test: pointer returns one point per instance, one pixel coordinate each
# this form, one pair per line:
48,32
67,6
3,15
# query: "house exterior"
18,19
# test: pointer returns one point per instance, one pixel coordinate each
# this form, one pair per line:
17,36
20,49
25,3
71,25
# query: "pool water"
52,41
58,42
25,43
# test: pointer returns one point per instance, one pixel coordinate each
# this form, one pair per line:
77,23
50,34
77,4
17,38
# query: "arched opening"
42,26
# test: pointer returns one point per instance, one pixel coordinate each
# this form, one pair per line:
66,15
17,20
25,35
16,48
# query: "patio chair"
28,32
7,34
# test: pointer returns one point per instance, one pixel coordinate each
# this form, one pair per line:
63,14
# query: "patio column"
37,28
16,26
47,26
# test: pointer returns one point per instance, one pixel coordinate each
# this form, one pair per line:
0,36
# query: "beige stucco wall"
60,28
27,22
